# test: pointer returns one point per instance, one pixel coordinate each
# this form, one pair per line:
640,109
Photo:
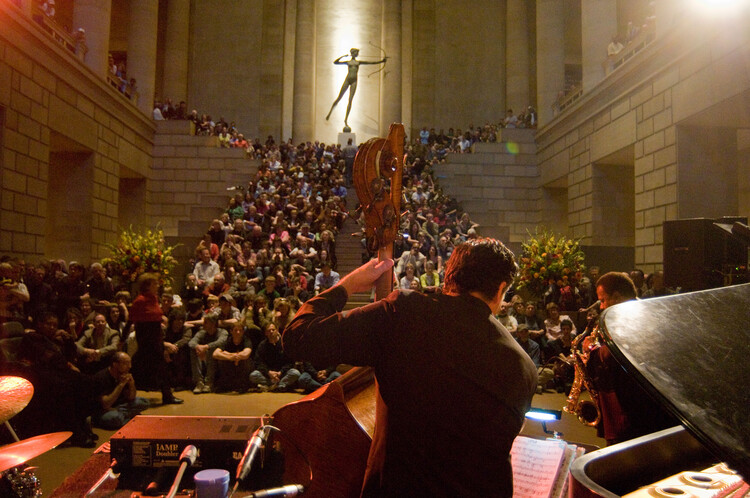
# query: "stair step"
217,201
205,212
190,228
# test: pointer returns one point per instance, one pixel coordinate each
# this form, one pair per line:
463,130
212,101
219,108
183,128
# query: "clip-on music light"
542,415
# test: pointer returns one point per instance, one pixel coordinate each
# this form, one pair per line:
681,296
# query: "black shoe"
83,441
172,401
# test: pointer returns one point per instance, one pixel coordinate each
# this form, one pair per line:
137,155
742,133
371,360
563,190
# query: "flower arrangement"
138,253
547,259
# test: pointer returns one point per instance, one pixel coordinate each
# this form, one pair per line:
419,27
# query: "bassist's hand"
363,278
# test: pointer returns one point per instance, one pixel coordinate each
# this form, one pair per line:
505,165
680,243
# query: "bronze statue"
350,82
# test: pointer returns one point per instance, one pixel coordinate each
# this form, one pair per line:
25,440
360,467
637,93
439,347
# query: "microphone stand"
187,458
109,474
254,445
287,491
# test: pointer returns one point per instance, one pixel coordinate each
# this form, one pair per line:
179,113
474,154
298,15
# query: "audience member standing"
149,365
349,152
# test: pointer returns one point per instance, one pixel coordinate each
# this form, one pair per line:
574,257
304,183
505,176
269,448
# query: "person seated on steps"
202,346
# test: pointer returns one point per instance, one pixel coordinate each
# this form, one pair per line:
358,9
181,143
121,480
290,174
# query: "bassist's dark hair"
479,265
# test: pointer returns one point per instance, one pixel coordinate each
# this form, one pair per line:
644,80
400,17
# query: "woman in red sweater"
149,366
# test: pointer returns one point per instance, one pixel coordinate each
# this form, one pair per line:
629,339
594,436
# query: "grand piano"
688,351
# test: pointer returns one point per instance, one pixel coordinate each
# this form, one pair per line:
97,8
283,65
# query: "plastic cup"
212,483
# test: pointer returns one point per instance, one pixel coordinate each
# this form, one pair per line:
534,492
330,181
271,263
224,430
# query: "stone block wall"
497,184
187,169
60,120
630,123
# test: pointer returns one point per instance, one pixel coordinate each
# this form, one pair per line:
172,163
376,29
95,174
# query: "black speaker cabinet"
700,252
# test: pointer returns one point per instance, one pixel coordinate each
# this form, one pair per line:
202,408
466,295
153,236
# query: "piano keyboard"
718,481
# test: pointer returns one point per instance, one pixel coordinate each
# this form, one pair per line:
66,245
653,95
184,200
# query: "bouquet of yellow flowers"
138,253
547,259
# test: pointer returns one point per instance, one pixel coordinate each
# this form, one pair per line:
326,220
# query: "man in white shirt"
206,269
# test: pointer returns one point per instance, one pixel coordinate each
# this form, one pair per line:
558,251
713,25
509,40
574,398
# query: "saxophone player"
627,411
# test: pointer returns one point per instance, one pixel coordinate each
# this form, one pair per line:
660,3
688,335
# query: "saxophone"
586,411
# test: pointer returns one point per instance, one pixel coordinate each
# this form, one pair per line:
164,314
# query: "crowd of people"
78,331
547,337
631,32
428,144
459,141
118,77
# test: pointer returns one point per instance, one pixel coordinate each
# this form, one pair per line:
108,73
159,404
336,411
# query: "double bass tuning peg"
356,213
387,214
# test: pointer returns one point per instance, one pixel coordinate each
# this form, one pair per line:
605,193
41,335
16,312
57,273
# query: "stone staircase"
190,183
497,184
191,230
349,250
207,205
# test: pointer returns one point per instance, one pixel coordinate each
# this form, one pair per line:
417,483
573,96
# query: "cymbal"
15,394
14,454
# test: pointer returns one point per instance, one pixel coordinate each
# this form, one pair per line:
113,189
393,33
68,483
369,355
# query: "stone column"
390,110
304,73
550,56
142,26
668,14
516,56
176,51
598,26
94,17
407,47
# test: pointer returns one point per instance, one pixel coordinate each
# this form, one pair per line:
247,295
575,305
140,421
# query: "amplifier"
150,441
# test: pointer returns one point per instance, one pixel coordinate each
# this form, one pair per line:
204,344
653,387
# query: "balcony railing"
76,44
641,40
569,98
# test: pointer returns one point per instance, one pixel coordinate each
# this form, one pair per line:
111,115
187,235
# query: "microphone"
593,305
113,472
189,455
281,492
257,440
187,458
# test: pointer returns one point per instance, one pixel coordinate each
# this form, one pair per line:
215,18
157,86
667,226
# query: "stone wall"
623,137
67,140
237,60
498,185
186,170
458,64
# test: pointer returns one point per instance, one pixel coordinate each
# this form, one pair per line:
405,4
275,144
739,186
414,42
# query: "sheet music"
536,465
561,483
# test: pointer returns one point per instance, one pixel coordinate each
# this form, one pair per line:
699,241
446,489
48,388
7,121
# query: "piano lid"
690,352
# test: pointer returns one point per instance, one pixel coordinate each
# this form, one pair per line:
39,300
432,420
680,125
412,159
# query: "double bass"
327,435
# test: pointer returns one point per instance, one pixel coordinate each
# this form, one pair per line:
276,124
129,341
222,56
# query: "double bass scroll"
377,175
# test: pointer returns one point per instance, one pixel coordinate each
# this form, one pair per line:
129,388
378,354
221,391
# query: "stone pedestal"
343,139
